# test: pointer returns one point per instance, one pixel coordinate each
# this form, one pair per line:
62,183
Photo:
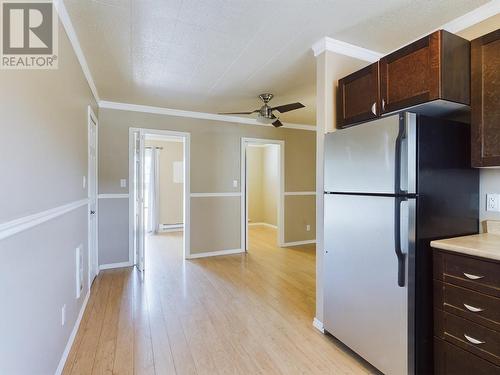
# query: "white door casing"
281,193
93,268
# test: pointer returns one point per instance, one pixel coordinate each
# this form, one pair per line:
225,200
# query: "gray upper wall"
44,117
215,150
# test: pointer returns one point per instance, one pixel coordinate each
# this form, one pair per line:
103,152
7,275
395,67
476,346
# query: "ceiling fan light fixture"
265,120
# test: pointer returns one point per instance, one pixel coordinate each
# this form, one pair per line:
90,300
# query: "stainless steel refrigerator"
391,186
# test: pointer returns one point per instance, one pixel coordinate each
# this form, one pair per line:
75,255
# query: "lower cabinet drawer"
468,304
468,335
452,360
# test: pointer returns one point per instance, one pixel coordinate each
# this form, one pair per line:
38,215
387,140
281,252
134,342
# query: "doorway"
92,196
262,176
159,165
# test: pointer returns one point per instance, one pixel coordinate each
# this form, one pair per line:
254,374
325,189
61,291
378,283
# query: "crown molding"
346,49
454,26
473,17
197,115
70,31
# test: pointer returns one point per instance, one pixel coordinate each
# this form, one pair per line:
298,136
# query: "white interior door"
92,195
139,191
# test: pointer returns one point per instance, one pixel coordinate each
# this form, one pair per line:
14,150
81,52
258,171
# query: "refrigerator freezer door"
362,158
364,306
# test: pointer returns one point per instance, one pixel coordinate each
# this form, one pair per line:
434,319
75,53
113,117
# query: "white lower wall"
37,277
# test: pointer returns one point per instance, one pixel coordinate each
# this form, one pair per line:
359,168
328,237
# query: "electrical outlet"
493,202
235,183
308,228
63,315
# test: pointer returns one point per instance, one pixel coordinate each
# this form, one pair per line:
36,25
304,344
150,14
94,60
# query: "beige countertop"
485,245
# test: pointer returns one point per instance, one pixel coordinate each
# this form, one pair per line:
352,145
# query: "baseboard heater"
171,227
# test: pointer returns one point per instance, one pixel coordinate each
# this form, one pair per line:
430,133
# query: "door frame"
93,254
187,186
244,188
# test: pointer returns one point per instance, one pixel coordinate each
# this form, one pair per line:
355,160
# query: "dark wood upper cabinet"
434,67
358,96
485,103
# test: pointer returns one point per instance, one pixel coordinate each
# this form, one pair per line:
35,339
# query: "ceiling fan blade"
238,113
277,124
288,107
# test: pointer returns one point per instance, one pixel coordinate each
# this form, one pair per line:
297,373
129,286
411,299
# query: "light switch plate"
123,183
84,182
235,183
493,202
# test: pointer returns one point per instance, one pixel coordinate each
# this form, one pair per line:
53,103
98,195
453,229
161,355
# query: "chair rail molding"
12,227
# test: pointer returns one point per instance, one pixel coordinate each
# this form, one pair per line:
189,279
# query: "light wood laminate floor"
235,314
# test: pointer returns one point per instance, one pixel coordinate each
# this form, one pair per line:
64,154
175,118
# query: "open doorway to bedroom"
263,193
160,195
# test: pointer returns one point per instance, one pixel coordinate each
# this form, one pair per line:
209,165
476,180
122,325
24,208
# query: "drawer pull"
472,308
472,277
474,341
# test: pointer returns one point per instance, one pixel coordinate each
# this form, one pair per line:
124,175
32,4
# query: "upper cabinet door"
410,75
485,90
358,97
434,67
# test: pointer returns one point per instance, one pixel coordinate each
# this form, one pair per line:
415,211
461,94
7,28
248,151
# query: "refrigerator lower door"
365,308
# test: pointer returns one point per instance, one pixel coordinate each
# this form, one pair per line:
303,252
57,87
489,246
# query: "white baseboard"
216,253
69,344
115,265
318,325
297,243
264,224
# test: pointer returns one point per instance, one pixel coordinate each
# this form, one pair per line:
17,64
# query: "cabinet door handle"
472,308
474,341
383,104
471,276
374,108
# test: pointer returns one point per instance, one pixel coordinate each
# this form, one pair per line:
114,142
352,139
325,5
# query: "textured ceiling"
218,55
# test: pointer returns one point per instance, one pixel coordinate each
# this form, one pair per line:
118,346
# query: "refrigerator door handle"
397,240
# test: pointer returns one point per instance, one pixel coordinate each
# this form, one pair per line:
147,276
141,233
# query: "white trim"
318,325
245,141
72,336
91,117
473,17
187,184
204,195
463,22
263,224
70,31
115,265
298,243
113,196
216,253
454,26
193,114
300,193
346,49
12,227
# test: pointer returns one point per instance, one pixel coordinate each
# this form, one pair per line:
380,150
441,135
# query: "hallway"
236,314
